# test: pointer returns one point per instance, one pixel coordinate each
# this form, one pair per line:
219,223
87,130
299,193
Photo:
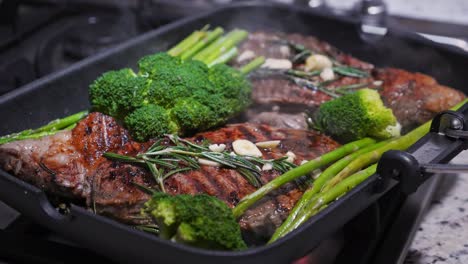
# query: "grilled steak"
70,164
413,97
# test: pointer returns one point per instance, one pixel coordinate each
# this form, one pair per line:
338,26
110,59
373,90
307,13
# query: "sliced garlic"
285,51
291,156
327,74
245,147
317,62
208,162
217,147
268,144
246,55
267,166
378,83
277,64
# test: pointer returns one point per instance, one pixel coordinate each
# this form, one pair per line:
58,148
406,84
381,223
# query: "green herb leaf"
350,71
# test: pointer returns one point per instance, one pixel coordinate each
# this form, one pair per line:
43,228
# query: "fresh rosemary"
350,71
154,229
181,155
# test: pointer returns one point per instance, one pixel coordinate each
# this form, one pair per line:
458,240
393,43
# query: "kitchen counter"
443,234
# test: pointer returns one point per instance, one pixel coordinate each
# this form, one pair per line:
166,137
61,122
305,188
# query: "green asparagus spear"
220,46
313,202
210,37
253,64
323,199
49,129
225,57
297,172
188,42
318,183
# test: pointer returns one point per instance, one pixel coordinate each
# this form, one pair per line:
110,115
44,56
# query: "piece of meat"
278,118
414,97
70,164
272,45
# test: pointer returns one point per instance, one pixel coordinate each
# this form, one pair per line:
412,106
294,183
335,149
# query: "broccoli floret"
166,95
199,220
192,116
158,64
356,115
149,121
172,71
220,106
231,83
116,93
189,95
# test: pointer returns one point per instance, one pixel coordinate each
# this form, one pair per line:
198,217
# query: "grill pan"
65,92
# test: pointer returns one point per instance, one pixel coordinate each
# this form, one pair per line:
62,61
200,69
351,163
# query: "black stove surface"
41,37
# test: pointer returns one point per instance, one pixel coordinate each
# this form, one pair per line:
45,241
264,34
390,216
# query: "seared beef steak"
413,97
71,164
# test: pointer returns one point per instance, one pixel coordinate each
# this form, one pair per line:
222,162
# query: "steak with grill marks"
70,164
414,97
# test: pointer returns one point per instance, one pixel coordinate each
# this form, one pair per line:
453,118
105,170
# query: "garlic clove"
277,64
291,156
208,162
317,62
245,147
267,166
327,74
268,144
217,147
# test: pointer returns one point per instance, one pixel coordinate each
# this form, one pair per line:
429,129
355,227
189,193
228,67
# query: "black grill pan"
65,92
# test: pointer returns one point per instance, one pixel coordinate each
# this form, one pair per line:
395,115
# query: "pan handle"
448,136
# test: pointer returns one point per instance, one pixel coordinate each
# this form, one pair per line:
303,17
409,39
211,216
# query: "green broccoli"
172,71
355,116
150,121
116,93
191,115
157,65
231,83
189,96
199,220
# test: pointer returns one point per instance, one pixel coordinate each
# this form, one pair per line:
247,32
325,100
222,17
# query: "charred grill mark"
206,177
52,173
224,183
266,131
247,134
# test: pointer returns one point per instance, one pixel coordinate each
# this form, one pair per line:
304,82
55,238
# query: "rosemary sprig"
350,88
317,87
303,74
350,71
164,160
148,228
